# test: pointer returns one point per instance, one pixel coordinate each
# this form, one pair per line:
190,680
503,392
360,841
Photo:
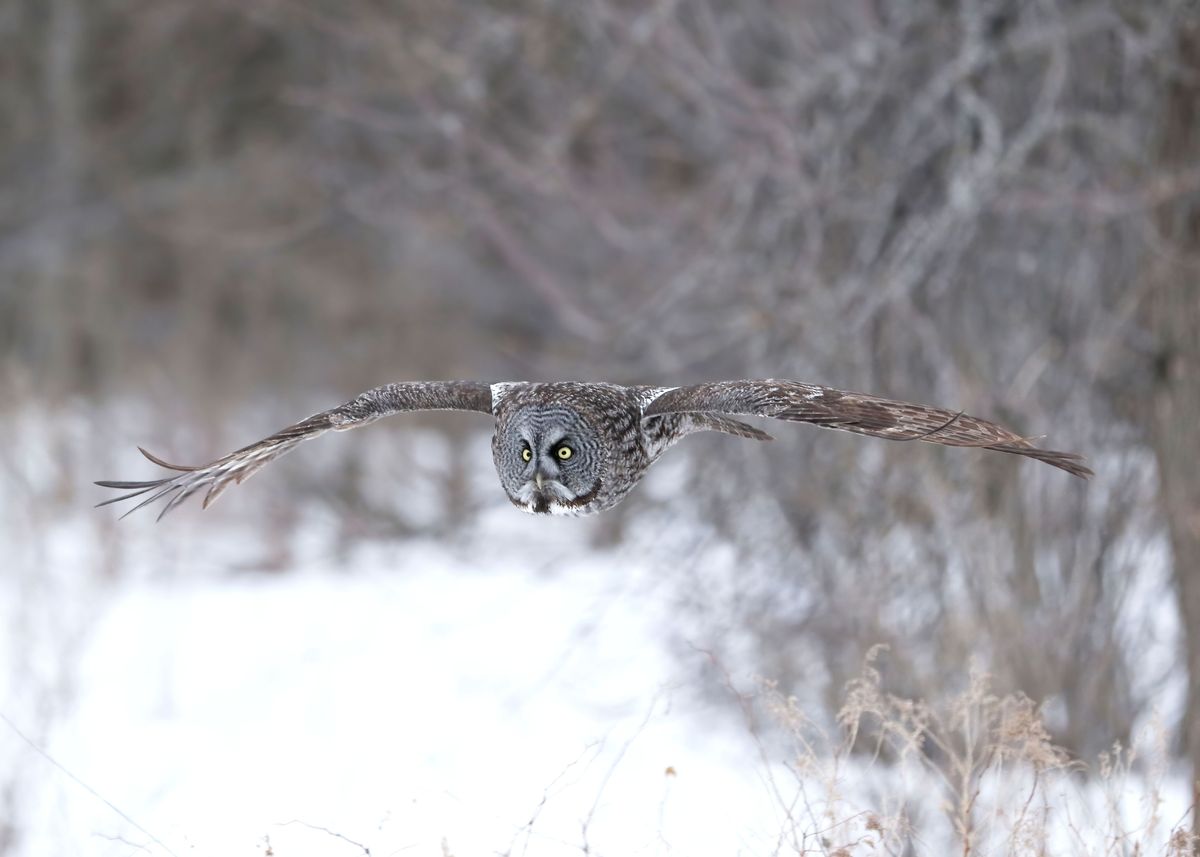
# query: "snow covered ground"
416,704
400,706
509,692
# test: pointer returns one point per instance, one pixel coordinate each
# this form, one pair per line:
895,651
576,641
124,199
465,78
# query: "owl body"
569,448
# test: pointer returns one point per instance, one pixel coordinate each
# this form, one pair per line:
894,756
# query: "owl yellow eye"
526,454
565,452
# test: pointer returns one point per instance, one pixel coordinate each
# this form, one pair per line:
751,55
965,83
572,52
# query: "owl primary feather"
574,448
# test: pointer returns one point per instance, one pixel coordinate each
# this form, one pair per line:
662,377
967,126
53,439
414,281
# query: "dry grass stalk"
978,773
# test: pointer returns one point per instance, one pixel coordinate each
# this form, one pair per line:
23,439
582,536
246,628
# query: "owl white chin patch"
559,510
551,499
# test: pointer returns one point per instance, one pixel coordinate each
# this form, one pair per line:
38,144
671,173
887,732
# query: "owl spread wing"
237,466
856,412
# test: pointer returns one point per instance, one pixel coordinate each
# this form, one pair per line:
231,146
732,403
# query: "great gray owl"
578,448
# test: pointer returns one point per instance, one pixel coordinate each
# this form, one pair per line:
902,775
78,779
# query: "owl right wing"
855,412
237,466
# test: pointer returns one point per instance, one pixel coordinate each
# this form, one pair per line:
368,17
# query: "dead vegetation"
976,773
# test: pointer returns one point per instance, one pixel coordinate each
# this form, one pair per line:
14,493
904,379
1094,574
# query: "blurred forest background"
218,217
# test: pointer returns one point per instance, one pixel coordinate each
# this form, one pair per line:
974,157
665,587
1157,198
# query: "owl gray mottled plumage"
574,448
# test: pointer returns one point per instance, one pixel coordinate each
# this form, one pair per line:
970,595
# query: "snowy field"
510,692
405,704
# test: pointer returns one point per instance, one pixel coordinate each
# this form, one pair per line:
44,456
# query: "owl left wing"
856,412
239,465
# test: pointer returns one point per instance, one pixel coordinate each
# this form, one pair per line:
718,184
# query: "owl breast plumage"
576,448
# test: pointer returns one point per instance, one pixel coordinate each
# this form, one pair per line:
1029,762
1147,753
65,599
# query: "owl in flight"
577,448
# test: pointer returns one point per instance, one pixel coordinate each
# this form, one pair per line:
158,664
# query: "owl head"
550,460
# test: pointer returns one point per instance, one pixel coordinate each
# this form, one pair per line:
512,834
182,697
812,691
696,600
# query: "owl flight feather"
576,448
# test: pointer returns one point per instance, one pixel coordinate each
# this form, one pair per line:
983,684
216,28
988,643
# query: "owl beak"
538,479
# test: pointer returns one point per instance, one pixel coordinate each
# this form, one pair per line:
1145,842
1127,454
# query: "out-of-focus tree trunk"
58,287
1174,314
